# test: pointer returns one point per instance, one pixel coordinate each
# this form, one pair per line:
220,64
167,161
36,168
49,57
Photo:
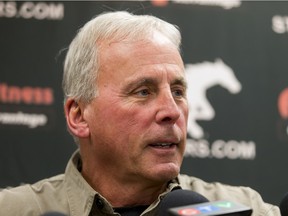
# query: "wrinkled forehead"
138,49
155,56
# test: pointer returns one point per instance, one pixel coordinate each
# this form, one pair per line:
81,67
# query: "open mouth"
163,145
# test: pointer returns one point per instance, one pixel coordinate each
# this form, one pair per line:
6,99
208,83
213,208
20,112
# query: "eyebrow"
135,83
148,81
180,81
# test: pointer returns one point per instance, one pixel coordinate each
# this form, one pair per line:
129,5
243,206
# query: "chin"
166,173
164,178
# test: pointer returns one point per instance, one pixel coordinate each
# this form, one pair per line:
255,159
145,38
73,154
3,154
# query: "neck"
124,194
120,188
119,191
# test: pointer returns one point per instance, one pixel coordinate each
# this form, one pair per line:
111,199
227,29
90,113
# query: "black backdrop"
236,58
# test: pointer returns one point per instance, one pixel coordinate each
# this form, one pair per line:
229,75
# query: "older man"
126,107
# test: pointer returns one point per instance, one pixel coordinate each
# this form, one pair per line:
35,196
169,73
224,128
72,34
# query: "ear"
75,120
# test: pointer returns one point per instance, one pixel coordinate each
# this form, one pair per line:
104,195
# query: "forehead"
153,55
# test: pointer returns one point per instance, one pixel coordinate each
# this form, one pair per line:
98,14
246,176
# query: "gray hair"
81,65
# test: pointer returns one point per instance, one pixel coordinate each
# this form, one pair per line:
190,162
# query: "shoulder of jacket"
25,199
25,191
218,191
52,182
191,182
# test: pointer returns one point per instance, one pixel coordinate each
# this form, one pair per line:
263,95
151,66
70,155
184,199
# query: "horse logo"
200,77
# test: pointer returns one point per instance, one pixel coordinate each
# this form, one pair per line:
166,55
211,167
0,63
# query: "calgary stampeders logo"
283,111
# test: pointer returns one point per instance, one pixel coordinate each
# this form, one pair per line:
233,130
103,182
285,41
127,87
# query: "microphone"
284,205
189,203
221,207
179,197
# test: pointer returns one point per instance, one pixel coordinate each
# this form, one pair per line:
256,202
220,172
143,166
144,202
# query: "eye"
143,92
179,92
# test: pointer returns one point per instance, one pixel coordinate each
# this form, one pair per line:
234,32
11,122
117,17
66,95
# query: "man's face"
138,121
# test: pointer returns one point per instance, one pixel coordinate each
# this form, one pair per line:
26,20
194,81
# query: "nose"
167,109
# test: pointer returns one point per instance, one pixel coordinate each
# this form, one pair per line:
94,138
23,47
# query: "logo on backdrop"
200,78
25,106
283,111
220,3
280,24
32,10
283,104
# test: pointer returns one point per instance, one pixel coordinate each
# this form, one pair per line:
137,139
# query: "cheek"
119,119
134,125
132,115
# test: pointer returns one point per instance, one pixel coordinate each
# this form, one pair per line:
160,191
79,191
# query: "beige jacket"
71,195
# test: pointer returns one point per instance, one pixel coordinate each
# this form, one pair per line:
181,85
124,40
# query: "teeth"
163,144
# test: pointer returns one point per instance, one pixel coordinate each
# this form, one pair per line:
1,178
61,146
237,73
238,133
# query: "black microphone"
189,203
177,198
284,205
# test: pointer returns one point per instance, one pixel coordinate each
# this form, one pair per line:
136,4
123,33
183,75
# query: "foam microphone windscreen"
178,198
